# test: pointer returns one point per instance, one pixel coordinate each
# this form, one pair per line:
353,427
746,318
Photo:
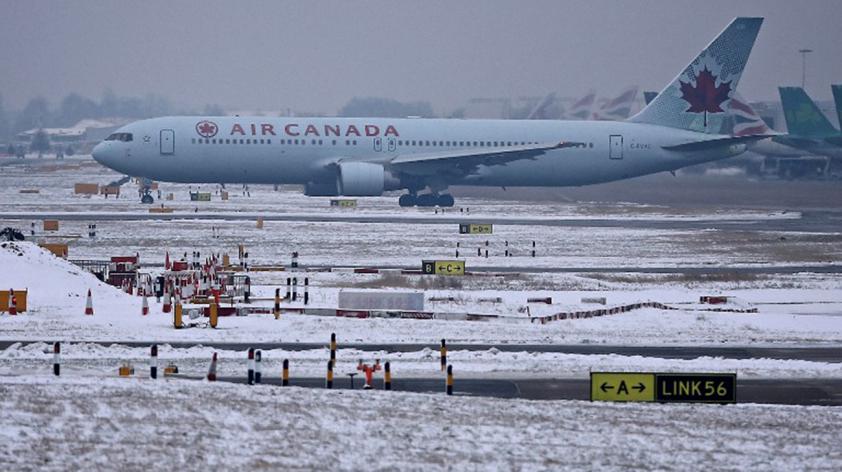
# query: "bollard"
153,362
486,253
294,288
387,376
329,379
443,354
214,314
89,304
289,289
479,252
257,375
306,290
295,260
251,366
333,347
212,369
247,291
533,248
285,374
176,316
56,359
449,387
277,309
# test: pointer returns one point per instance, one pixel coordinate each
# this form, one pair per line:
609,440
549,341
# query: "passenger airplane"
365,157
807,127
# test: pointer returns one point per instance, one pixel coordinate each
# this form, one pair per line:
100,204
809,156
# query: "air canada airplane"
367,156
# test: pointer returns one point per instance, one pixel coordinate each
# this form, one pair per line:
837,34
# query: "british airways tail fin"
698,98
803,117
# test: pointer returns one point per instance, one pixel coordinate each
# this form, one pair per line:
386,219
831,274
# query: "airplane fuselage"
301,150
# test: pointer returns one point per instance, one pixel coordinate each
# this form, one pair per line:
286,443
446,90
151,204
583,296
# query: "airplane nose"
100,153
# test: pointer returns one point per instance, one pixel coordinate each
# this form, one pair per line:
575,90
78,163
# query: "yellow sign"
443,267
622,387
344,203
475,229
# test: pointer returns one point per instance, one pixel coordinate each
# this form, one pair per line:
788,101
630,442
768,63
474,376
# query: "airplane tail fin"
803,117
697,99
648,96
745,121
618,108
837,97
581,110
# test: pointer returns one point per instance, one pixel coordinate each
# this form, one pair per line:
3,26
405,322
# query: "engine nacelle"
361,179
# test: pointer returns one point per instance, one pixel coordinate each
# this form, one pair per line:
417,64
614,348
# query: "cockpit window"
125,137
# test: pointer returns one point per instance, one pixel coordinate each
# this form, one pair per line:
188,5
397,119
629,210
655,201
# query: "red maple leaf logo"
206,129
705,96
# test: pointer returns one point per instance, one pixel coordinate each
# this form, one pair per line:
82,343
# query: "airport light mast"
804,53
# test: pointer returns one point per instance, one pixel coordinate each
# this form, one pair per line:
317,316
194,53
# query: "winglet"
697,99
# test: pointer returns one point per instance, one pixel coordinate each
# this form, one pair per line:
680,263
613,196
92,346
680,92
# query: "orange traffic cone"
145,307
212,369
13,302
167,264
167,299
89,304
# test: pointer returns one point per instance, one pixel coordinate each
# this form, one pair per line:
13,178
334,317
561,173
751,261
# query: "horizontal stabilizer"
696,146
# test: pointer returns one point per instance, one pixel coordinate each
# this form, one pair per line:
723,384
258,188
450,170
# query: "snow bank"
92,424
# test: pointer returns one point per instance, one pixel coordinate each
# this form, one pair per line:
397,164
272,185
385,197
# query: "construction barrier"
50,225
85,189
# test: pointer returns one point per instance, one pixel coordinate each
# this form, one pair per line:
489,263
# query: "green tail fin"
803,117
837,97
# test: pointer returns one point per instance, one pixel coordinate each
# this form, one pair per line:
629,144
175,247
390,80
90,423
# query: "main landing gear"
426,200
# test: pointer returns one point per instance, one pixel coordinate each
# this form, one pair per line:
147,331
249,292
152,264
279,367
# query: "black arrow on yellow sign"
606,387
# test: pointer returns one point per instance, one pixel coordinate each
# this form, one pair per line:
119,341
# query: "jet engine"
363,179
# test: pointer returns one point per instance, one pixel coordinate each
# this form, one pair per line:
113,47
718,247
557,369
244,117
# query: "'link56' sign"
664,387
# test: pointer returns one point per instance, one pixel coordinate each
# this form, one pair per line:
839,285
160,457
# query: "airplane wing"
466,161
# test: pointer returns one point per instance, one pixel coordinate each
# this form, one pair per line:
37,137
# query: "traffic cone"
212,369
13,302
89,304
167,299
167,264
144,310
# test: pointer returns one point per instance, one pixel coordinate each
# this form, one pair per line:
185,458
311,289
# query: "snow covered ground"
76,423
57,298
405,244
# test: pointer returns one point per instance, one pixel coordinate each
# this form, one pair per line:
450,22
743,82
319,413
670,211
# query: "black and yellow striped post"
176,316
56,359
449,385
333,348
153,362
443,354
250,371
214,314
277,310
285,374
387,376
329,379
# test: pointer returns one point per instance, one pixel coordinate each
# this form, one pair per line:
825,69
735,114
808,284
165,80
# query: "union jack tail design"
581,110
746,121
618,108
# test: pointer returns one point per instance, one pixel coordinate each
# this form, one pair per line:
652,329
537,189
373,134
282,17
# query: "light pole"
804,53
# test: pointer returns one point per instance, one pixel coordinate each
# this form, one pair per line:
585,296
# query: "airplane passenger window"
334,142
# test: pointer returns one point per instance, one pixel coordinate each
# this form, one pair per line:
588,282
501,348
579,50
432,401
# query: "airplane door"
167,141
392,143
615,146
378,144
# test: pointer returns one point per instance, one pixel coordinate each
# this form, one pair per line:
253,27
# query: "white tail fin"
698,98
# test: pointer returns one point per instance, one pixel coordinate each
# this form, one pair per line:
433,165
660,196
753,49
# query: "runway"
832,353
809,221
824,392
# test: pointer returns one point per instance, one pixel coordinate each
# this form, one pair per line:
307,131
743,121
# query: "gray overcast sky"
314,56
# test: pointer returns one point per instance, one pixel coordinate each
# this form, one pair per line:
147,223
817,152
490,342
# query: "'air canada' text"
326,130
